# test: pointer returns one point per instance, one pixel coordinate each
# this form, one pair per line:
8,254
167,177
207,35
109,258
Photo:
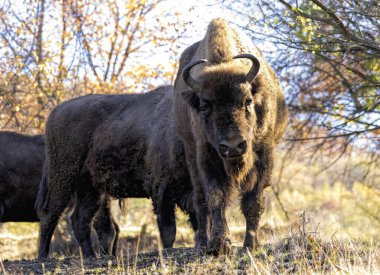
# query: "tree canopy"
327,54
51,51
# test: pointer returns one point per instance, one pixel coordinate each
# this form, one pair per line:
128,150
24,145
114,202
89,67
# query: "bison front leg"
87,204
166,224
106,229
219,241
203,221
193,221
116,239
200,202
252,206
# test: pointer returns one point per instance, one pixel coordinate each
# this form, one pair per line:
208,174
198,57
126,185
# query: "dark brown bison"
120,145
230,113
21,161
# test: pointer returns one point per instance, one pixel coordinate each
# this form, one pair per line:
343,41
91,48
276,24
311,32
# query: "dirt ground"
303,248
138,253
176,260
301,255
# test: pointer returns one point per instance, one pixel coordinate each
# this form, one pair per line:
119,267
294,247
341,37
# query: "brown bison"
21,161
119,145
230,113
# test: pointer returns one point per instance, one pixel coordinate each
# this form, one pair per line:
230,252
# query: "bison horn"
255,66
191,82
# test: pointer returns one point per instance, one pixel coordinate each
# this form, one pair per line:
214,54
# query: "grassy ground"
303,254
312,224
301,245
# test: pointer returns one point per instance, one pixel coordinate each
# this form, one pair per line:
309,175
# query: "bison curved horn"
251,75
191,82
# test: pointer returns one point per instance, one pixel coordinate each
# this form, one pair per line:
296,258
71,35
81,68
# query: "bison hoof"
252,243
43,259
200,247
219,245
200,250
200,243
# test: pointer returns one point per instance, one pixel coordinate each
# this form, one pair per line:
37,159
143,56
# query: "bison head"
222,97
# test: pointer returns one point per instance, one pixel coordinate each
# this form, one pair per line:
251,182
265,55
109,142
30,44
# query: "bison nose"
224,149
233,148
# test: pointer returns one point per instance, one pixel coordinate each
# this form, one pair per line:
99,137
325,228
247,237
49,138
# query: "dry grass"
319,227
301,252
300,247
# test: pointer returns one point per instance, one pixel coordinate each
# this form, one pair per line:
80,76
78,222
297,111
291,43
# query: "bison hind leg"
48,222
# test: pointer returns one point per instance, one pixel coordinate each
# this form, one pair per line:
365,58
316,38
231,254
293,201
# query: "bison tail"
43,195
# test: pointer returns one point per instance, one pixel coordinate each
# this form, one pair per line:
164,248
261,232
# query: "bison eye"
205,109
248,102
248,106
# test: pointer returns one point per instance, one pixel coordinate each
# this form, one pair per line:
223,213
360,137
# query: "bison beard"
119,145
229,120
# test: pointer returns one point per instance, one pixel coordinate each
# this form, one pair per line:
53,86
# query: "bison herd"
191,145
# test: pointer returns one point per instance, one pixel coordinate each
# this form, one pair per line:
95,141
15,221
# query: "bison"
119,145
21,162
230,113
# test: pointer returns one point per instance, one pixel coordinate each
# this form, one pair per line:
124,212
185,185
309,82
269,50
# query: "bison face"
222,97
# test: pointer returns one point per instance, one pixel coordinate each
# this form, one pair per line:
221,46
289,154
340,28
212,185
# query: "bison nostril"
242,147
224,150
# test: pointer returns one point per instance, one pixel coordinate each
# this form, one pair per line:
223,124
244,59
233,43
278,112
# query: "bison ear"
192,98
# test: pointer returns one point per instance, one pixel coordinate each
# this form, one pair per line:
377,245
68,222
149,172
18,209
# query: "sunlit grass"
327,228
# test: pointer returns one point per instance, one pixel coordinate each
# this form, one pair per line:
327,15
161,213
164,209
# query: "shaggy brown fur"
249,117
121,145
21,161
